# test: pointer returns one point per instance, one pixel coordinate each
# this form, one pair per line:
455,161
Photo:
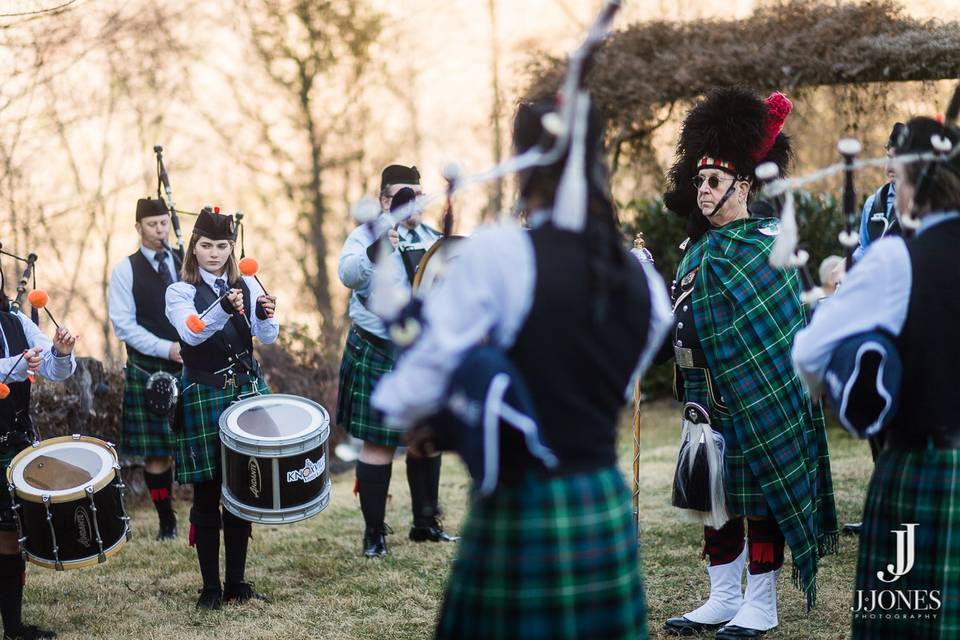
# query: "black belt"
221,379
922,441
376,341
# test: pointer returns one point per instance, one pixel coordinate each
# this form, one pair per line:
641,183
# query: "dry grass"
322,589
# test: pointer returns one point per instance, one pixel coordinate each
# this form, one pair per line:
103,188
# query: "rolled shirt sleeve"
123,315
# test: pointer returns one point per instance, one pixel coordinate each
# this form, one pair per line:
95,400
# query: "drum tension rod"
121,491
53,534
101,558
21,539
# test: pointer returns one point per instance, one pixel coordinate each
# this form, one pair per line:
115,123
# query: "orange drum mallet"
250,267
38,298
195,322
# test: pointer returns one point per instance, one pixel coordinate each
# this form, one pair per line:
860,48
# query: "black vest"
578,372
149,297
15,409
224,348
889,225
930,340
411,257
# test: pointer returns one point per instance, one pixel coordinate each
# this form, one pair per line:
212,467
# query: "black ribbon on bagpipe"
165,193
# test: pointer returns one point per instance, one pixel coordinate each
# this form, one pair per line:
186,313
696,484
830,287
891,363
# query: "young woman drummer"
218,368
54,360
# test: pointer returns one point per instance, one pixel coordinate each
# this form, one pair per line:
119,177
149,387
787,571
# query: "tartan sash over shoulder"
747,314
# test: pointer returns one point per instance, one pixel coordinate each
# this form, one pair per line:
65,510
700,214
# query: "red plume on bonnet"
779,107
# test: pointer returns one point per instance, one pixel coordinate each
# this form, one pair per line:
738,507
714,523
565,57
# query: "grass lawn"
322,588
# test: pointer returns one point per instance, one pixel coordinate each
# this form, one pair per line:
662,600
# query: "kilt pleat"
144,433
921,487
549,558
198,443
362,366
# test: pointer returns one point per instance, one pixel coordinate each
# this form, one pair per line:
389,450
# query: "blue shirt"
865,217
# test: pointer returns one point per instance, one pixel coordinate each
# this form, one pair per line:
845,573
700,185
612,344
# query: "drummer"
138,285
218,368
54,360
367,356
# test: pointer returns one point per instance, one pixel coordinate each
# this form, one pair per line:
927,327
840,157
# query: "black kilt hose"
198,443
548,558
921,487
144,432
364,362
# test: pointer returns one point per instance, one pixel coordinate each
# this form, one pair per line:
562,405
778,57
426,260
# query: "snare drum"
274,457
68,502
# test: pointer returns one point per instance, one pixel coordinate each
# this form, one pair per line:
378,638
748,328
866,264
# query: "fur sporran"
698,486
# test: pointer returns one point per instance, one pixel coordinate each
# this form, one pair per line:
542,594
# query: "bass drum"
274,455
435,262
68,502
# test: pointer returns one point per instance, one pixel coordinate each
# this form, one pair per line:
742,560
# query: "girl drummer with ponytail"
24,350
217,313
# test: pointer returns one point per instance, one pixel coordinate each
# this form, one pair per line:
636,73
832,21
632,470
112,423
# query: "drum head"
62,467
274,419
435,263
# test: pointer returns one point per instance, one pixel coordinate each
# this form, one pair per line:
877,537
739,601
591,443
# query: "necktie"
413,237
162,271
221,286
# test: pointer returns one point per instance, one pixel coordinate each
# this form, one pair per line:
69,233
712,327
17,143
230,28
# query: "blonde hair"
190,271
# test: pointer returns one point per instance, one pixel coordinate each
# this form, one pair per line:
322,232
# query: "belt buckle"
683,356
230,379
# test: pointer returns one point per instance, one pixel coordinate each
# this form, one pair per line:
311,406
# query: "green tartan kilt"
549,558
361,368
198,443
744,493
144,433
921,487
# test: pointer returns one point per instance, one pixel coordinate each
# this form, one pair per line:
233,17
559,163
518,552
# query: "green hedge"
818,217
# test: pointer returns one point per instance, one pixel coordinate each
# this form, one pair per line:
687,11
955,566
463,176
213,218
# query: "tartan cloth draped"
198,443
747,314
548,558
362,366
921,487
144,433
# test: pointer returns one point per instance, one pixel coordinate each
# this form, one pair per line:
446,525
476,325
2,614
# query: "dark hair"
943,192
601,233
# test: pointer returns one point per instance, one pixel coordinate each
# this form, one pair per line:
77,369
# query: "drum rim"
83,562
261,447
434,248
74,495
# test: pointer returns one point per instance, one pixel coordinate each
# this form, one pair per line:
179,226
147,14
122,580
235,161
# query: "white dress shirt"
487,292
180,306
874,295
123,309
52,367
356,272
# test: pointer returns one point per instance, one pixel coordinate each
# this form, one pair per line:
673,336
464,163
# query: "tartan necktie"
162,271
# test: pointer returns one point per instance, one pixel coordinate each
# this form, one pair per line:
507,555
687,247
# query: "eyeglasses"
712,181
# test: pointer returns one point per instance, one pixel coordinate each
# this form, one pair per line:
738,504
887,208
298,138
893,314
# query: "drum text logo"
311,471
84,531
253,469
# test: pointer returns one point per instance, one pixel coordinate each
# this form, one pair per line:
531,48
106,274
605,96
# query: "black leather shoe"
31,632
853,528
241,593
210,598
431,533
733,632
375,541
167,533
683,626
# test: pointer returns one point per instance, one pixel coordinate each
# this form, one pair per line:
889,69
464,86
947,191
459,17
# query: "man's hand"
393,237
64,341
174,353
419,441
